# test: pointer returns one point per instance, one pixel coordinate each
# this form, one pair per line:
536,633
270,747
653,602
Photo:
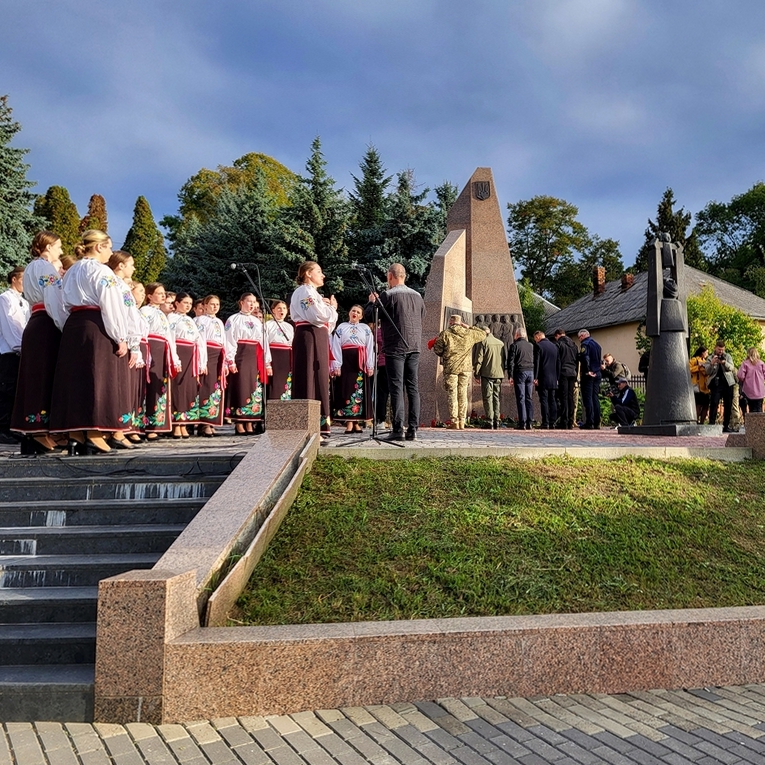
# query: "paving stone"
56,744
457,709
300,741
119,744
537,715
418,720
232,732
488,713
387,716
358,715
256,723
24,745
468,757
340,750
311,724
444,739
329,715
509,746
5,749
154,750
430,709
182,745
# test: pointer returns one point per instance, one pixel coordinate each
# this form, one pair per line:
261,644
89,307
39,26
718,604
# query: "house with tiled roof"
614,310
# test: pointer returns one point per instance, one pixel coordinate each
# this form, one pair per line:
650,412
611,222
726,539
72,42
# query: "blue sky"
604,103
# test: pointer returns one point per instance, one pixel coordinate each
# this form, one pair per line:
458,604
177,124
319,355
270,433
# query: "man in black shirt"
568,354
520,370
401,333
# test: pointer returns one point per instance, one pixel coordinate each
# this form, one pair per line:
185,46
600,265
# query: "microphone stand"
263,342
365,275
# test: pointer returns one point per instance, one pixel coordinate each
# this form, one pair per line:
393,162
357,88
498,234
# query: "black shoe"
31,446
7,438
119,443
521,426
258,429
396,435
528,426
411,434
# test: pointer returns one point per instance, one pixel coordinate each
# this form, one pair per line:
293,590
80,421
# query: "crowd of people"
92,360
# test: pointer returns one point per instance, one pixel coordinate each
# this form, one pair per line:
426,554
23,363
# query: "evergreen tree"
61,216
412,231
96,215
17,221
317,220
674,223
145,243
446,196
242,228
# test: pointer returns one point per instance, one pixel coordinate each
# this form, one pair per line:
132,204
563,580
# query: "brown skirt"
39,354
280,382
310,368
352,391
185,388
157,419
211,387
91,387
138,386
245,392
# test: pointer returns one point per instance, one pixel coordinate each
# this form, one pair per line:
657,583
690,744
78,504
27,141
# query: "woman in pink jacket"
751,375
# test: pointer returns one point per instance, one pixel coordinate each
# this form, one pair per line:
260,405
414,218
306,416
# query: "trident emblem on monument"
482,190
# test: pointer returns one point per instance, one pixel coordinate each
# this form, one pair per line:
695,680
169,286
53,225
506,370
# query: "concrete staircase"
65,524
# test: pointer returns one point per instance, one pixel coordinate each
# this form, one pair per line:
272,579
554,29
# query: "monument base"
672,429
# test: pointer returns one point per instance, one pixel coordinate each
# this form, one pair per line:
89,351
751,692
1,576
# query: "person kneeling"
626,407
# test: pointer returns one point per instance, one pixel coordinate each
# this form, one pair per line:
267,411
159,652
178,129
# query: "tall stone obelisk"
471,274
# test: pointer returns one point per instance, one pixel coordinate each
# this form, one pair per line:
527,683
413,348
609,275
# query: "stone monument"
471,274
669,404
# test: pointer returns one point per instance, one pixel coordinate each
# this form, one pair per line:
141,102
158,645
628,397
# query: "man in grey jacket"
721,379
490,365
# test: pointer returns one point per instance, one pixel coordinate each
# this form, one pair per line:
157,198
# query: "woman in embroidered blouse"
165,363
353,362
39,346
91,390
213,384
751,375
141,372
315,317
249,365
280,335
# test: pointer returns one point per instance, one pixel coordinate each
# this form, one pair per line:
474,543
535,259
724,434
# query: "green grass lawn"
413,539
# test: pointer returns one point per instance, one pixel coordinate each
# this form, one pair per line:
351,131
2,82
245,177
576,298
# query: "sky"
603,103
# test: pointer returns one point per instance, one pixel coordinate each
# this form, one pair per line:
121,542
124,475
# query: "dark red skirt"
352,391
39,354
211,387
185,388
91,387
310,368
138,386
280,383
244,391
157,418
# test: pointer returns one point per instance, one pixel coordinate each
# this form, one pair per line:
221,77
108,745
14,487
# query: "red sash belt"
85,308
146,351
262,374
170,364
37,307
362,349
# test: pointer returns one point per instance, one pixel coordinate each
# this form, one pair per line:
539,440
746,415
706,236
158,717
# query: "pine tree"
145,243
17,221
96,215
61,216
316,222
674,223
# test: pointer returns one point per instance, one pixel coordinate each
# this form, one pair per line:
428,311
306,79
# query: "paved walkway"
718,725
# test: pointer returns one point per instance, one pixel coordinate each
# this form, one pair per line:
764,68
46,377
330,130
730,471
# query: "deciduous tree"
17,220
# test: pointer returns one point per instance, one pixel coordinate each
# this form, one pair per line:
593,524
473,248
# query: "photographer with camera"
721,380
625,404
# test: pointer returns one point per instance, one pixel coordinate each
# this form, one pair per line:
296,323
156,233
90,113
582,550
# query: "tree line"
258,211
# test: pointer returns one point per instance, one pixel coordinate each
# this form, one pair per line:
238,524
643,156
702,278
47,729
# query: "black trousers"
566,401
548,405
720,390
9,374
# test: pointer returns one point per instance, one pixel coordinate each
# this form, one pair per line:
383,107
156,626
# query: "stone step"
44,644
68,570
89,488
143,464
91,540
56,693
79,512
43,605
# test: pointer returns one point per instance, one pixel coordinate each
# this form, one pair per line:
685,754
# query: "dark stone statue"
669,402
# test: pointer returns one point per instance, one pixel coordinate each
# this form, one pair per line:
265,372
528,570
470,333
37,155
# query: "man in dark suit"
625,404
590,360
567,352
546,373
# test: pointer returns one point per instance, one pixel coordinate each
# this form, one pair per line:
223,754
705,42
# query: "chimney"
598,280
627,281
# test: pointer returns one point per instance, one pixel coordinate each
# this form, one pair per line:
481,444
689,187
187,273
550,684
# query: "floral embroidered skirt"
91,387
352,391
280,382
185,388
211,387
39,353
138,381
244,390
310,368
157,418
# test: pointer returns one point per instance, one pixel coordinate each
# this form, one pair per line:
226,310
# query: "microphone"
357,267
234,266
